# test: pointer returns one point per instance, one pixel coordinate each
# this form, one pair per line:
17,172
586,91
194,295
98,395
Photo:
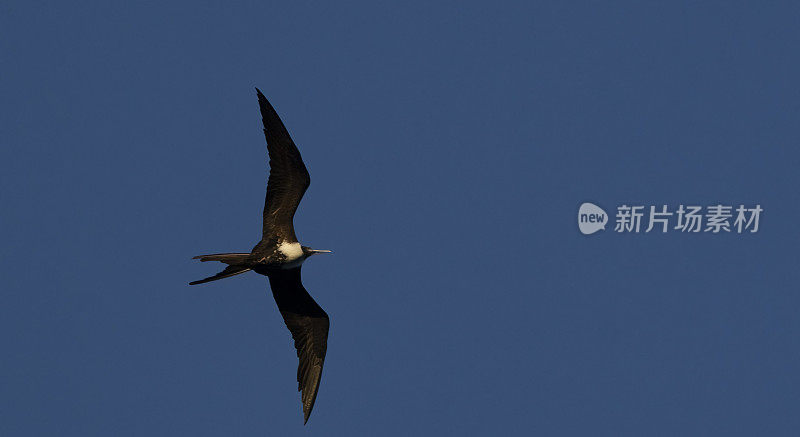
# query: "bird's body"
282,256
279,255
292,254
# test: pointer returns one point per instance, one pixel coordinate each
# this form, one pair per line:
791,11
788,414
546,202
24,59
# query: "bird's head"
307,251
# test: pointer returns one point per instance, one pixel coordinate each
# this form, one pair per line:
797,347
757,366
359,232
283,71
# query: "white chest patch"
292,251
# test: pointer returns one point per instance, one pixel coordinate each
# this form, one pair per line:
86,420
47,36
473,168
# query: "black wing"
309,326
288,177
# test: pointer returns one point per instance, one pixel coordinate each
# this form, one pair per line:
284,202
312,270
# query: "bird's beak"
320,251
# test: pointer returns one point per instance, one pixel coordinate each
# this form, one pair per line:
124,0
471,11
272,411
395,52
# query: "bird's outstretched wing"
288,177
309,326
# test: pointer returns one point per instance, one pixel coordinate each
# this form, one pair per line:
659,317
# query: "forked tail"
227,258
237,263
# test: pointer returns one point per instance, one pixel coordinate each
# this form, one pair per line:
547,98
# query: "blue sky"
449,145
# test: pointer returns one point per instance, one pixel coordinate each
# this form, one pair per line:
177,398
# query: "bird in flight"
279,255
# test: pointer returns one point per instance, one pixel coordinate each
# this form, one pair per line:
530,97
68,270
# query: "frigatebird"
279,255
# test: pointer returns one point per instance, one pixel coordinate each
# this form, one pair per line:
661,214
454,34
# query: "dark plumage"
279,255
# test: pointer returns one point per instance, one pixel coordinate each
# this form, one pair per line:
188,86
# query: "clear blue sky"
450,145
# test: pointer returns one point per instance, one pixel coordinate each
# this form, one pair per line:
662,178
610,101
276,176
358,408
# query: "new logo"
591,218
